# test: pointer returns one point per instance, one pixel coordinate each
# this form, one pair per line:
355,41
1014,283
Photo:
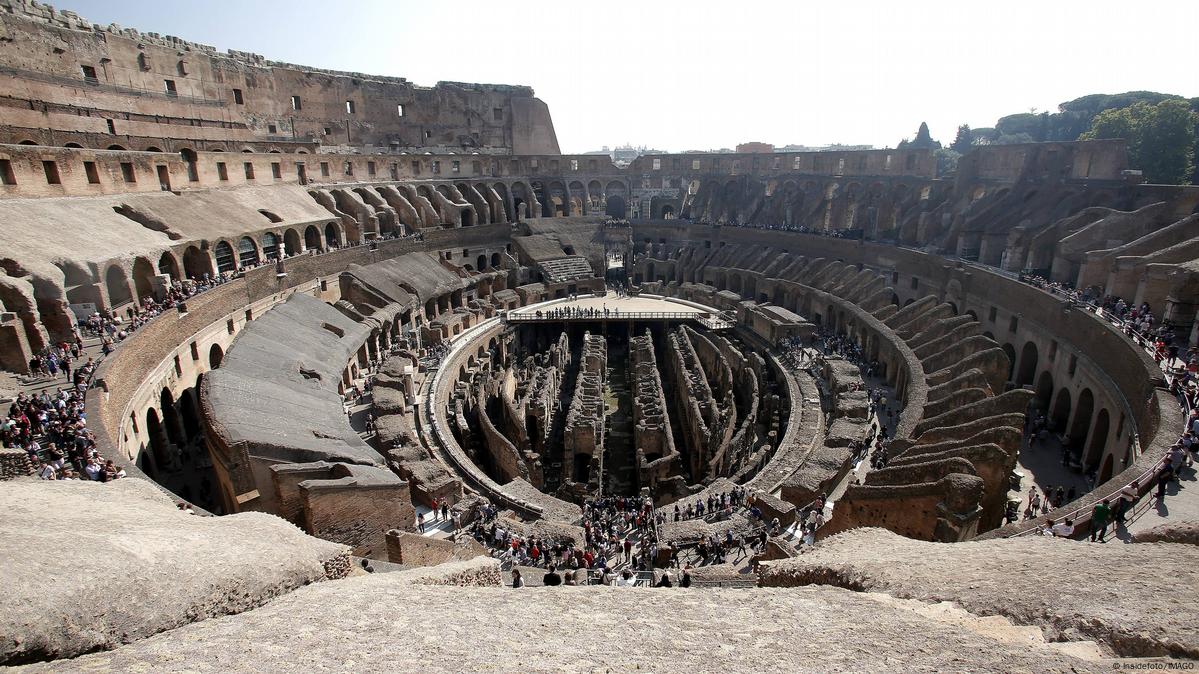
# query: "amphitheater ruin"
361,352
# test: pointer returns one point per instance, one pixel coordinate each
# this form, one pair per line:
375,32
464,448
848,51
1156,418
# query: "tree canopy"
1161,137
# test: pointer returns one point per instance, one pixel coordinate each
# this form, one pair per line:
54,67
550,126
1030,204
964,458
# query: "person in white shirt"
1064,529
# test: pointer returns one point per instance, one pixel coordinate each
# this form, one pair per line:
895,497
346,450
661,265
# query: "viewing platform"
613,307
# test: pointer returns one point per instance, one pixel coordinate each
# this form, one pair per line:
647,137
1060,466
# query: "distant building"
755,147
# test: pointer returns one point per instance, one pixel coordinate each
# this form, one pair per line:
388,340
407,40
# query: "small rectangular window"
915,282
93,175
276,170
112,128
1013,324
436,166
1052,350
348,168
127,172
295,103
89,74
476,167
272,129
6,175
416,168
325,169
349,107
370,168
222,172
887,163
993,314
657,164
170,87
328,131
400,110
694,164
181,68
237,97
395,171
455,166
51,170
497,114
249,168
1073,365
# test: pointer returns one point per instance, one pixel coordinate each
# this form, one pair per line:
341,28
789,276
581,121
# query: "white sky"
704,74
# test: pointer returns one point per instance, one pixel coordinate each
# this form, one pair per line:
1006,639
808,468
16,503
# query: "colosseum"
370,364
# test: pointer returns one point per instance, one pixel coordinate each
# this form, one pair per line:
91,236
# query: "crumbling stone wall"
707,425
656,453
583,438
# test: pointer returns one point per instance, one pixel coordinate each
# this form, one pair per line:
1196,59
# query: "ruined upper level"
65,80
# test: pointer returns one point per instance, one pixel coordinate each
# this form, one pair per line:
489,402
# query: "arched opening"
291,242
312,238
270,246
1044,391
247,252
468,217
118,287
215,356
1011,359
1061,411
615,207
495,259
153,148
1098,441
196,263
117,147
1105,473
331,235
481,262
189,414
225,262
1082,420
1028,364
158,440
143,279
667,212
169,266
170,418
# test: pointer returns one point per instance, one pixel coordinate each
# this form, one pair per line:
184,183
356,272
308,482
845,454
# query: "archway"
1082,419
247,252
1105,473
312,238
495,259
1098,440
1011,359
158,440
481,262
331,235
616,206
270,246
118,287
225,262
215,356
1061,410
1044,391
170,418
143,279
196,263
291,242
169,266
1028,364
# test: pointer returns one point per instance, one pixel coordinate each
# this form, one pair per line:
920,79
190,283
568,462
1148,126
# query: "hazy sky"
700,74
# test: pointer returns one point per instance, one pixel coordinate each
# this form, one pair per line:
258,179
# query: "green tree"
1161,137
962,142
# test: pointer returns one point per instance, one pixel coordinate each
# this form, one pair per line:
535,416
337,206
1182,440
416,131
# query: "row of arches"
225,256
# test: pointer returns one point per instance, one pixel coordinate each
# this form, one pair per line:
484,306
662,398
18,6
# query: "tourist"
1164,476
1128,496
626,579
420,522
1099,517
664,581
517,580
685,579
1064,529
551,577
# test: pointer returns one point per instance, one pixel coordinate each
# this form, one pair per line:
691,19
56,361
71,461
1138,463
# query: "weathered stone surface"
118,562
1137,600
1174,532
381,623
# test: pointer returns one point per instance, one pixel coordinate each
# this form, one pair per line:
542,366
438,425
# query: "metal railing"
552,315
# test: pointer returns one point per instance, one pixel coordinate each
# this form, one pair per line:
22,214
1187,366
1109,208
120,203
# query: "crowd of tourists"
576,312
51,428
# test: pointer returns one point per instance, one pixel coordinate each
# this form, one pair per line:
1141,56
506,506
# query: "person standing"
1099,518
1128,496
